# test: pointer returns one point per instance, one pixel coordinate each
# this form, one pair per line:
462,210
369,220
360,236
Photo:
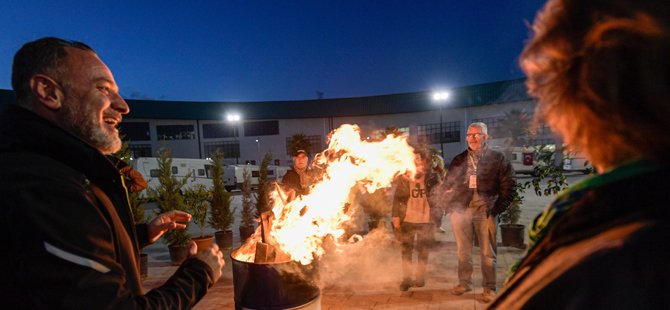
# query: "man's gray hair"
484,128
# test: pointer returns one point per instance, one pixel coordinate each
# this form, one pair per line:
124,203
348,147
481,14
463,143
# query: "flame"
302,224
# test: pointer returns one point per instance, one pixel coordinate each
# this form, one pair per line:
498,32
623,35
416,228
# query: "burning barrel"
275,285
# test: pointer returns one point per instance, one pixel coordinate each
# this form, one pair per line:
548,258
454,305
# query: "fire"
301,225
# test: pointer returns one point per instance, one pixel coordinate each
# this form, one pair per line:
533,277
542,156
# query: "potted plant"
168,196
136,203
263,202
220,216
247,222
511,232
197,202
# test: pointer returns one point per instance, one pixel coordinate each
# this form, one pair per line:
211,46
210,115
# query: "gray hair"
484,128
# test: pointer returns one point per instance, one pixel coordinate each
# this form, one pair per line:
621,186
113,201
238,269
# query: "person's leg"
486,228
407,247
461,225
423,243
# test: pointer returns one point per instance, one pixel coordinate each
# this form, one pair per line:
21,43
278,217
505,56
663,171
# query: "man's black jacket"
495,178
67,237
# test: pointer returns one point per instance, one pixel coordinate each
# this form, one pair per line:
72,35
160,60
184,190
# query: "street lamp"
440,98
234,118
258,149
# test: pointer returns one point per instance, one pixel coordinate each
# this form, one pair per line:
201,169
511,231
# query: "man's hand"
167,221
214,258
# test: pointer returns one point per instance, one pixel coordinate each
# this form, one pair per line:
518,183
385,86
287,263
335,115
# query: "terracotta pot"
178,254
224,239
144,266
512,235
203,242
246,232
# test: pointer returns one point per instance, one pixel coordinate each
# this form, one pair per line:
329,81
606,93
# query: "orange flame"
301,225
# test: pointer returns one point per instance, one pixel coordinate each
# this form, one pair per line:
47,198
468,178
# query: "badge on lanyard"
473,181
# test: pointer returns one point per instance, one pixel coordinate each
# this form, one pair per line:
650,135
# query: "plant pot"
144,266
224,239
178,254
512,235
203,242
246,232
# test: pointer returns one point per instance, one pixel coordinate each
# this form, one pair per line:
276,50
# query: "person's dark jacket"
401,196
495,178
68,240
291,180
610,250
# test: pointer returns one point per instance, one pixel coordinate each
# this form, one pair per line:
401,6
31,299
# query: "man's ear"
46,91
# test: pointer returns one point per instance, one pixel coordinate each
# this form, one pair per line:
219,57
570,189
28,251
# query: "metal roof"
475,95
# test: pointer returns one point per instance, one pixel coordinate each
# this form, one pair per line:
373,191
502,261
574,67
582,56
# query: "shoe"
488,295
420,282
441,230
405,285
460,289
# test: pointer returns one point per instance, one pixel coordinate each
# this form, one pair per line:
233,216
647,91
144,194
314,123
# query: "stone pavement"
366,275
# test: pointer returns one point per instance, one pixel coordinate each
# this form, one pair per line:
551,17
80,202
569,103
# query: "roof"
475,95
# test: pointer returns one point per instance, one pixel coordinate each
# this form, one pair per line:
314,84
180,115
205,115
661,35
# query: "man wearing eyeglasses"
479,186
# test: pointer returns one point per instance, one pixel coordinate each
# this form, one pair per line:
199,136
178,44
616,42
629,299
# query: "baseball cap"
298,152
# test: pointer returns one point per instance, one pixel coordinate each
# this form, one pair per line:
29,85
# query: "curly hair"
601,72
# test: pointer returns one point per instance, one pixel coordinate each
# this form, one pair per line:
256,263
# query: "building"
196,129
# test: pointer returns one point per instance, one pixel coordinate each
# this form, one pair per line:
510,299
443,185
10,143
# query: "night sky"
250,50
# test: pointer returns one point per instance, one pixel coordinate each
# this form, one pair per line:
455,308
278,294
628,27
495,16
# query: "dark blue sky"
249,50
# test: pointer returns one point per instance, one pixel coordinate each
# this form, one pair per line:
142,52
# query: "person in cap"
298,179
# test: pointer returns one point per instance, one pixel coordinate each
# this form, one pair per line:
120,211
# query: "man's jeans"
464,223
424,237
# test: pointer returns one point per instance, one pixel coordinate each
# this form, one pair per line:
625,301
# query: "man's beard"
84,125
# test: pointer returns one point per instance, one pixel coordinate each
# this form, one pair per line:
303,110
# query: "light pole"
258,150
234,118
440,98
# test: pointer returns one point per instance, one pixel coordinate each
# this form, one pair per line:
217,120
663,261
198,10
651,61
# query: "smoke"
371,262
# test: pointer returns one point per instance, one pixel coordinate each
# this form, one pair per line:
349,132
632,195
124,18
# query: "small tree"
221,216
513,212
168,196
297,142
125,154
247,203
263,193
197,203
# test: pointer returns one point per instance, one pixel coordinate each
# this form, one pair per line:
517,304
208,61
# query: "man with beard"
68,238
480,186
298,179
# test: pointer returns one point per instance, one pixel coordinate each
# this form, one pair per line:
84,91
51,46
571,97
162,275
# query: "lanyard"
472,161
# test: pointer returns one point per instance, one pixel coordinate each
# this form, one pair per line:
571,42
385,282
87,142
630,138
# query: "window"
153,173
135,131
140,150
175,132
314,141
221,130
493,124
430,133
255,174
262,128
175,170
201,172
230,149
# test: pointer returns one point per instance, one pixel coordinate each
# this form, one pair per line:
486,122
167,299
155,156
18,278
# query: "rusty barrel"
277,285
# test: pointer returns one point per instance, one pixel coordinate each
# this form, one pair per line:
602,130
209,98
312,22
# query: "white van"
524,159
574,162
199,170
276,173
233,176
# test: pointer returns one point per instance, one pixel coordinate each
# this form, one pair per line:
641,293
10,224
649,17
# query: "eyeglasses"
475,135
